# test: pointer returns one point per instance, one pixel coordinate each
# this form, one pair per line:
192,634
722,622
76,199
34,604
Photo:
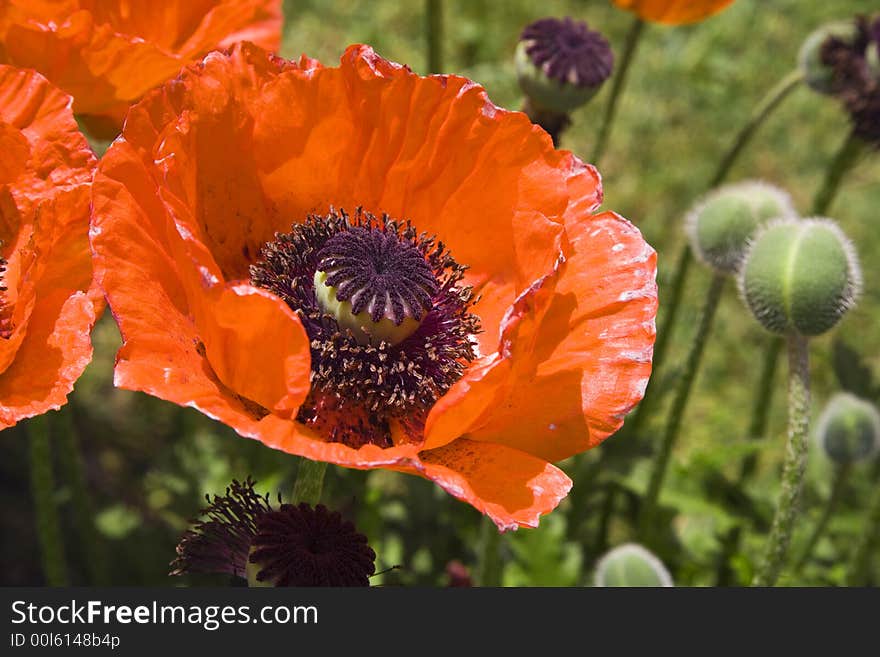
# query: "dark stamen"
358,387
220,544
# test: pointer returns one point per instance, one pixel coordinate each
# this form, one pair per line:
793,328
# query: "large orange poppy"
108,53
229,175
47,301
673,12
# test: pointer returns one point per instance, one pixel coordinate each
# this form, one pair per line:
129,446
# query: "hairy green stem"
43,492
489,565
841,475
676,413
434,35
617,85
83,508
795,462
843,161
309,481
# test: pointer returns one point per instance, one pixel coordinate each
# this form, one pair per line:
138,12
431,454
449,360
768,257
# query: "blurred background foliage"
148,463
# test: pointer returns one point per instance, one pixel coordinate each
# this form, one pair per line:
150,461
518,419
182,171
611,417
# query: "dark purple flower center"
569,52
393,272
379,273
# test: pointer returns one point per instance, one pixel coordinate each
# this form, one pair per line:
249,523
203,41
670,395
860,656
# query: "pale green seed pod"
849,429
800,276
817,74
721,224
631,565
363,328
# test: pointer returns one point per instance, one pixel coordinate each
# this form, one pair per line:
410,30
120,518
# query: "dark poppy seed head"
360,388
220,542
568,52
305,546
374,283
848,67
240,534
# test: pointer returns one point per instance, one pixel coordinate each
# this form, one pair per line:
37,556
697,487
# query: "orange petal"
108,54
54,346
592,354
151,281
59,156
673,12
372,133
513,488
236,323
50,300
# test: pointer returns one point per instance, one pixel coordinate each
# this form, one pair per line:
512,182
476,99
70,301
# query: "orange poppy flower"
673,12
47,301
108,53
229,271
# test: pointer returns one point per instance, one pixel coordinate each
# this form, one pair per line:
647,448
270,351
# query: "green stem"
761,404
841,475
676,413
762,110
795,462
489,566
43,491
844,159
309,481
759,115
629,50
864,550
605,515
83,509
434,34
724,574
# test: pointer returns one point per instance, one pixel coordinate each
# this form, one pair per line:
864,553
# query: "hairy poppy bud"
631,565
849,429
819,72
720,226
561,63
800,276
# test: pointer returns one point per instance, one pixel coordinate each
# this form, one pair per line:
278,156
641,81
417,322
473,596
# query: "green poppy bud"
631,565
561,64
800,276
819,75
849,429
722,223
